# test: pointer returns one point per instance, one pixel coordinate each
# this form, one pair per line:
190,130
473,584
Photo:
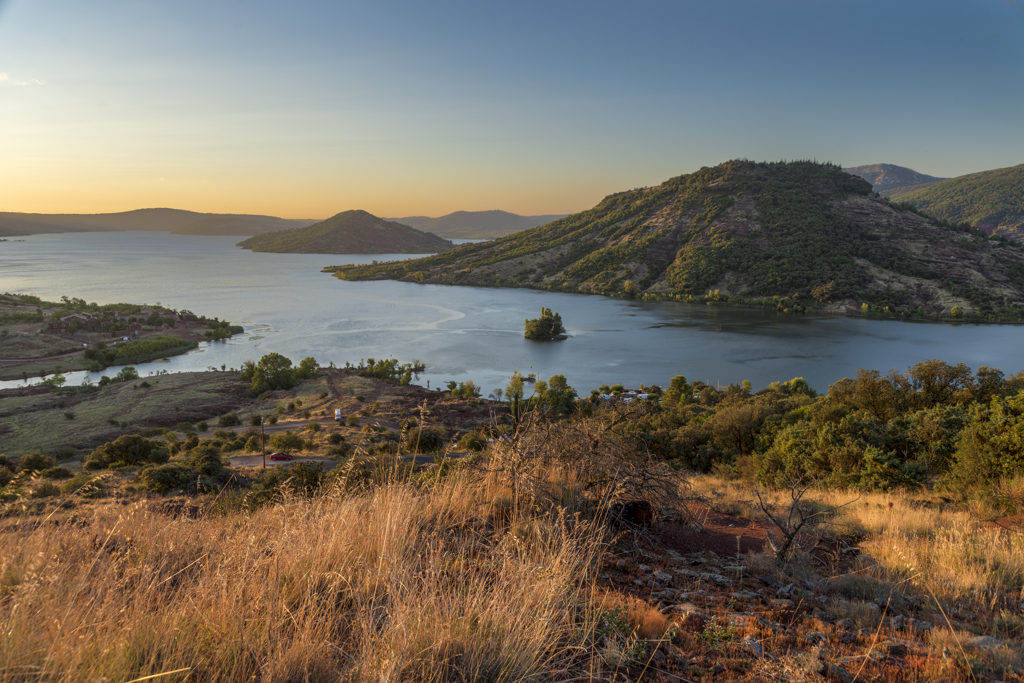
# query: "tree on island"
547,327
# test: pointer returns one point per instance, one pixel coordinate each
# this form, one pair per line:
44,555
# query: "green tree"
679,392
273,372
557,396
286,442
127,374
547,326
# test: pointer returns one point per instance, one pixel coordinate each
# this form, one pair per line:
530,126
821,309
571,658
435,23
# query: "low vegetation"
868,533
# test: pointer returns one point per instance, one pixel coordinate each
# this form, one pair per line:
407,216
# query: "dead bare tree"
797,515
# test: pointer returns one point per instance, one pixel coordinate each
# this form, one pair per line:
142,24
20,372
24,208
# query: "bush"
130,449
6,476
335,438
313,426
203,426
352,421
286,442
46,490
473,441
184,427
36,462
229,420
56,473
426,439
8,463
272,419
164,478
85,485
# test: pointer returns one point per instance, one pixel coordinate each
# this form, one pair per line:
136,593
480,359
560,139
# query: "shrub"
306,414
426,439
184,427
286,442
85,485
352,421
313,426
56,473
8,463
229,420
130,449
360,398
335,438
272,419
168,477
203,426
6,476
473,441
36,462
46,490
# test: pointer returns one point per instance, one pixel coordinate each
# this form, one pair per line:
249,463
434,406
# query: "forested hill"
992,201
796,235
349,232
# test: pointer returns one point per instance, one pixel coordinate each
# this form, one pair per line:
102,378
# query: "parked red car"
280,456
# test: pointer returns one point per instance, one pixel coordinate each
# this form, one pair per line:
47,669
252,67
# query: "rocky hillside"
992,201
885,178
476,224
797,236
349,232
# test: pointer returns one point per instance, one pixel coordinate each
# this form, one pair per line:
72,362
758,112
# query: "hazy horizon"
305,110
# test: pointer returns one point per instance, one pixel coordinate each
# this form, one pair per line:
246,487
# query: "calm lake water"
287,306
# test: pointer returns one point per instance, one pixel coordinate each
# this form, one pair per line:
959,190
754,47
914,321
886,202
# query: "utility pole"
263,442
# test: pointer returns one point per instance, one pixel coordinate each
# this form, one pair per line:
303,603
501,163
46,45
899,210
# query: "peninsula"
796,236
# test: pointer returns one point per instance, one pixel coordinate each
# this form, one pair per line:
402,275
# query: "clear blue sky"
304,109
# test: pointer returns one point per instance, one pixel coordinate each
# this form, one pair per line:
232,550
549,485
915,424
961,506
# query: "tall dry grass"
948,554
398,582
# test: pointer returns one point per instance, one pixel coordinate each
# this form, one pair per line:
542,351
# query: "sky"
304,109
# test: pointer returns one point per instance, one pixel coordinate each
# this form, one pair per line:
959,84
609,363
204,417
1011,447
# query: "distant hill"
236,225
992,201
349,232
796,236
885,178
157,220
476,224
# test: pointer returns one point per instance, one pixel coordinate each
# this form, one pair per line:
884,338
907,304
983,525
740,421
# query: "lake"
464,333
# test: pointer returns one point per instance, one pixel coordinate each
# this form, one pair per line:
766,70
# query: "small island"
548,327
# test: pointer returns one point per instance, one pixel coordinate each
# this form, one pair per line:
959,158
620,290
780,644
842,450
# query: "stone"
783,603
745,595
838,672
986,642
643,567
814,637
769,581
717,669
753,647
663,577
844,624
894,649
717,579
896,622
785,591
919,625
686,572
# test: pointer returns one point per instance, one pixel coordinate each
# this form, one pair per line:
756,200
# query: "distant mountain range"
158,220
349,232
885,178
796,236
476,224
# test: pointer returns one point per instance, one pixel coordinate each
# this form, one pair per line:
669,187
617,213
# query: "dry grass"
394,583
943,554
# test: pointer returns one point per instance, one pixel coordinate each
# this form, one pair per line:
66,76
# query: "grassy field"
37,419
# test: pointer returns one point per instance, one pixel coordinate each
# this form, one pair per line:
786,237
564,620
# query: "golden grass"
394,583
948,554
